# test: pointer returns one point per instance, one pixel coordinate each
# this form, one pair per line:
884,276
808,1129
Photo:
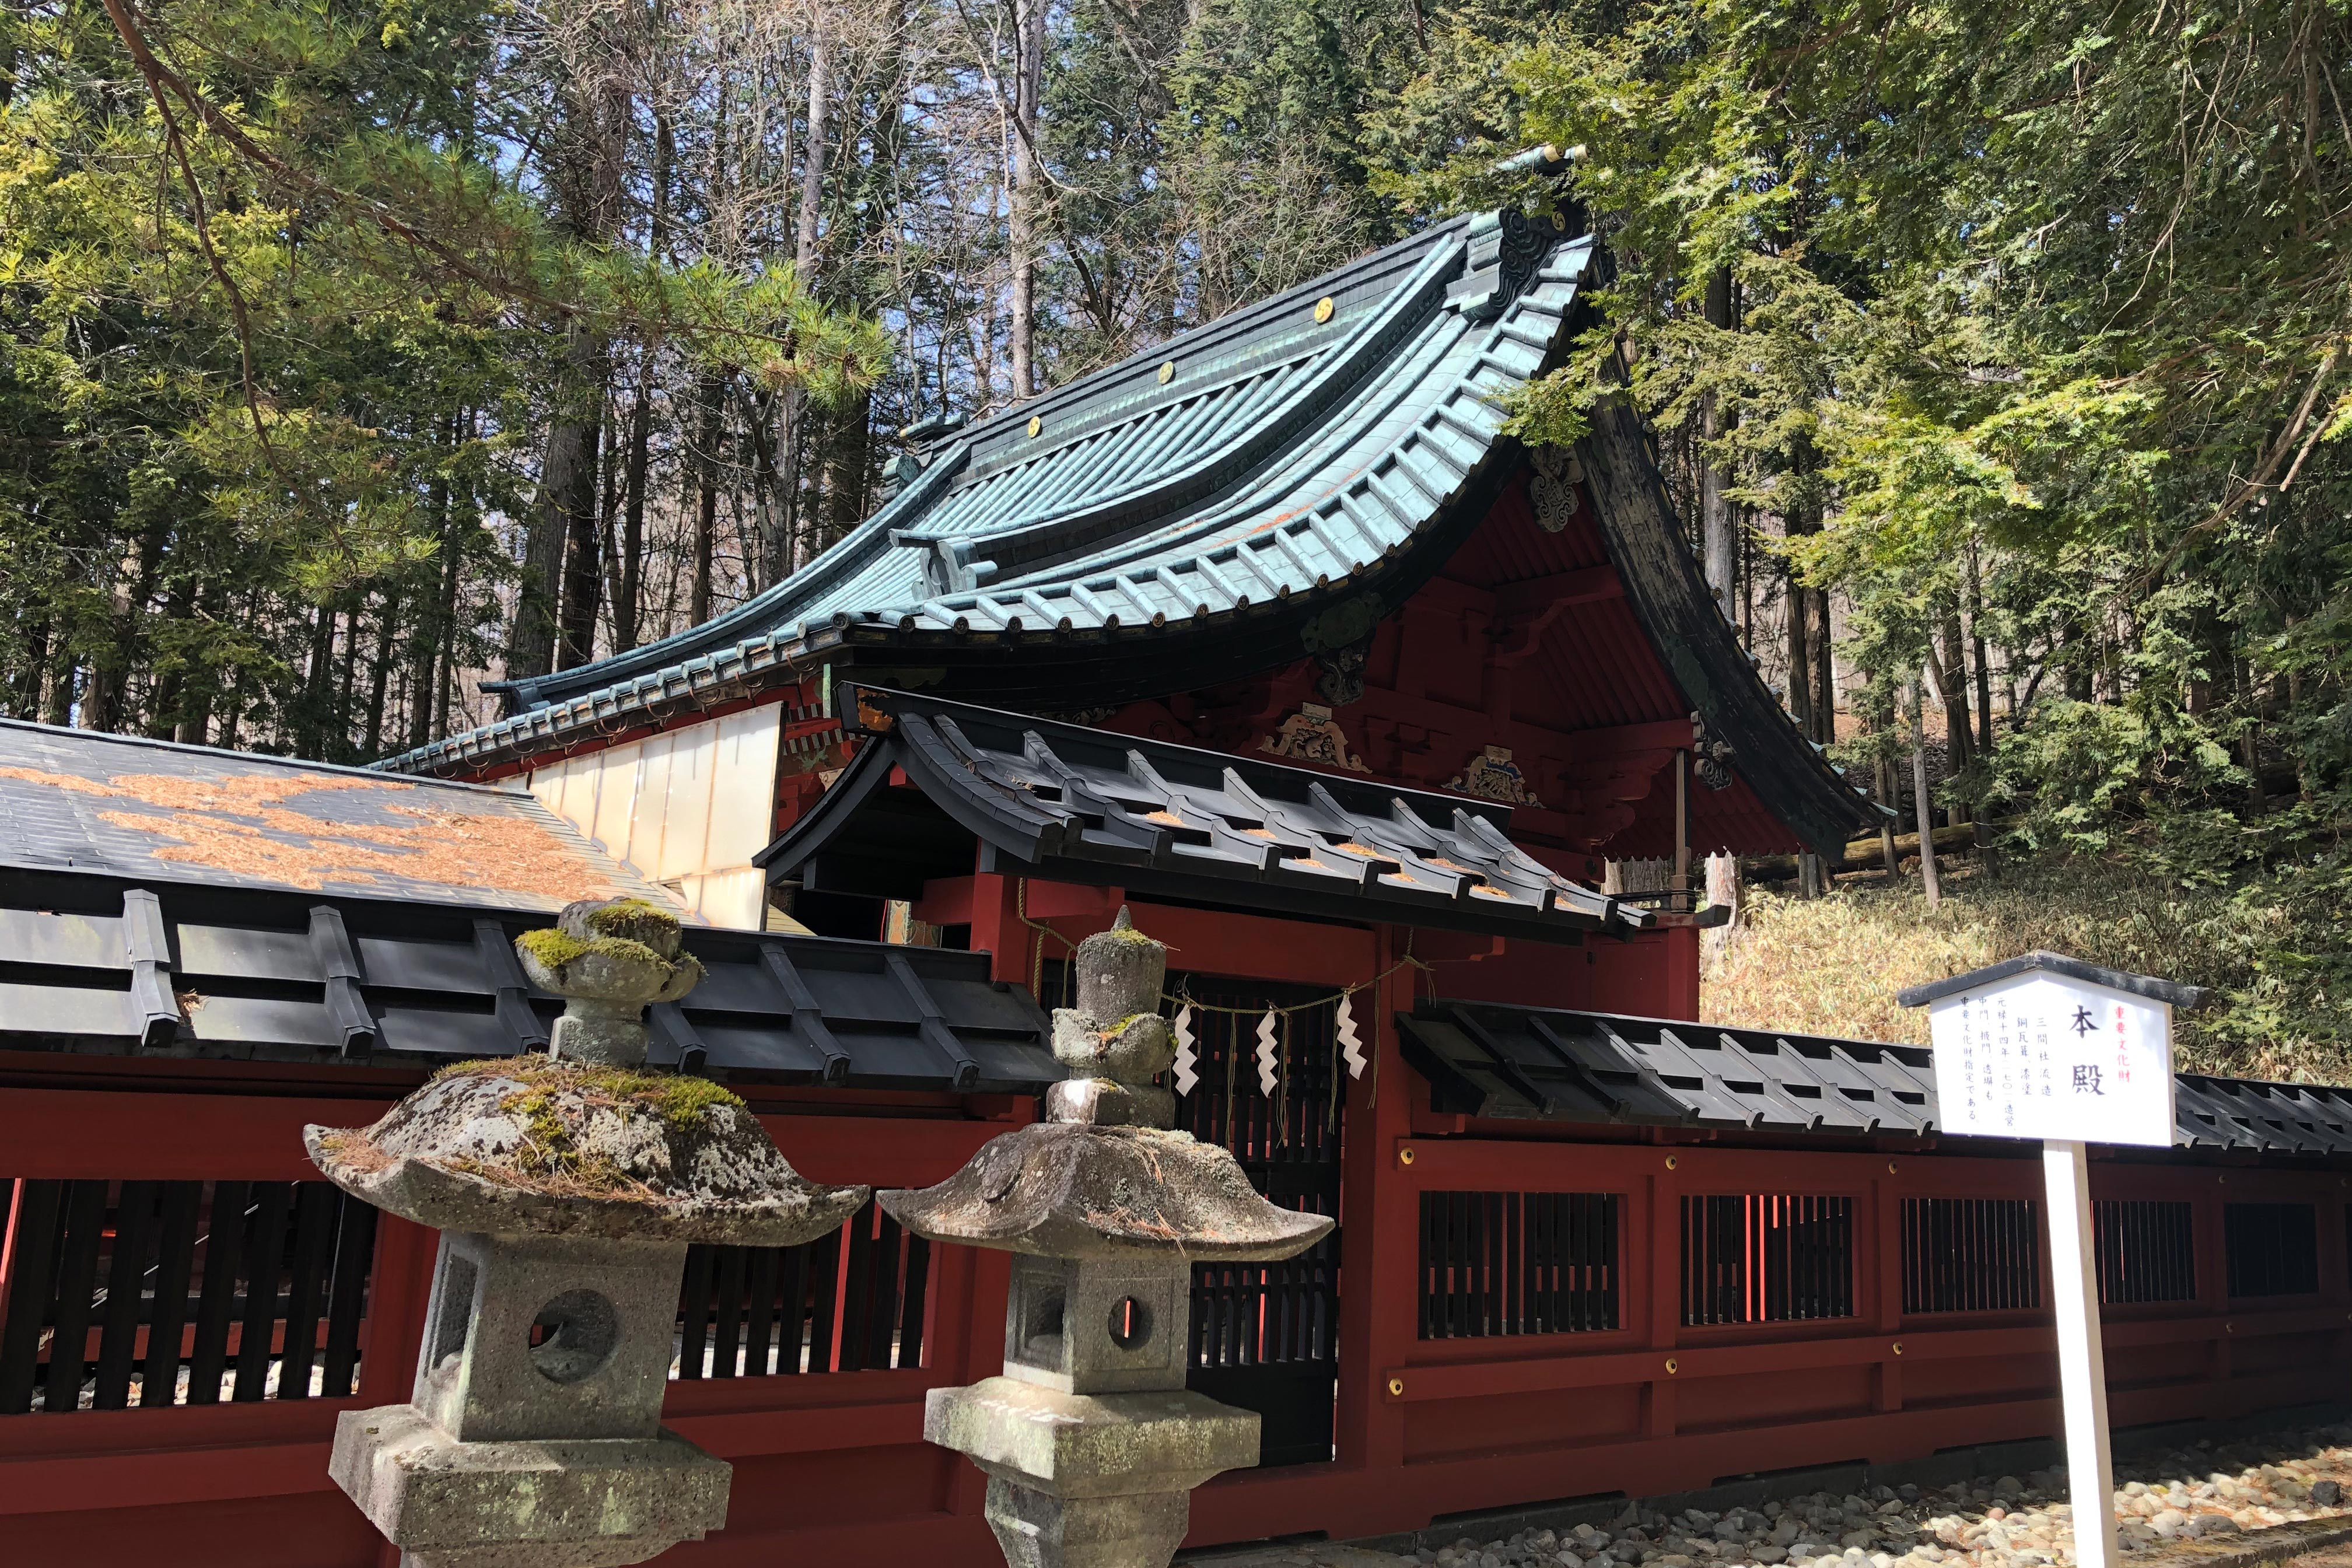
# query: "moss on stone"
554,949
678,1099
636,920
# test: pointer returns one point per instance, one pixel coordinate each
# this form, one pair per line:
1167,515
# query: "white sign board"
2040,1056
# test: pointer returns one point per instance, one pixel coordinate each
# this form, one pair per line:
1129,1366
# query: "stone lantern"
1090,1440
566,1189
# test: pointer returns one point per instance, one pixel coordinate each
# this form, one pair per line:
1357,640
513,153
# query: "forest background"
354,351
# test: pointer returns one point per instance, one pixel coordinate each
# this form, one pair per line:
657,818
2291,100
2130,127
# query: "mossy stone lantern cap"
566,1189
1090,1440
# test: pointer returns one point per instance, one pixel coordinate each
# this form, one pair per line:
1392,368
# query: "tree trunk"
782,547
771,497
318,685
583,572
26,703
631,588
1824,667
57,704
1028,81
1801,674
848,465
1984,739
432,629
566,507
104,704
380,677
1715,512
1952,683
171,690
1890,798
1920,794
709,396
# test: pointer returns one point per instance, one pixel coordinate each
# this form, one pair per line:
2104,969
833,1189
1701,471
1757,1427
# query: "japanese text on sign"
2036,1056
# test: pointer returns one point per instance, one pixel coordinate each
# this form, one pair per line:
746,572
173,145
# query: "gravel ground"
2004,1521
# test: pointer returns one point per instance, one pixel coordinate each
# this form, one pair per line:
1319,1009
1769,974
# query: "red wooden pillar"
1380,1236
1654,1258
997,929
1884,1262
1681,991
392,1332
2211,1247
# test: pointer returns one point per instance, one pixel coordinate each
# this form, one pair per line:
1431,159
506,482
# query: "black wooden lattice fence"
851,1301
2271,1250
1265,1336
2146,1250
156,1293
1518,1263
1766,1257
1971,1254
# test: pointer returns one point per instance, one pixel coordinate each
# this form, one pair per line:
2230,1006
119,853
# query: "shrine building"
1273,637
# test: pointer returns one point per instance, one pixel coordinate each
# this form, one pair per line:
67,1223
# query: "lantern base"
1089,1480
563,1503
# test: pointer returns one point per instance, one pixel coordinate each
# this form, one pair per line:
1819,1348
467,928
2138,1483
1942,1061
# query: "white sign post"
2049,1048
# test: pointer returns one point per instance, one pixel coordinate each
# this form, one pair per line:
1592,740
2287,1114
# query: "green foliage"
256,404
2267,944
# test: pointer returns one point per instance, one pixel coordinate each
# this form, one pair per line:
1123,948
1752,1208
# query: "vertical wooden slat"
1426,1280
126,1285
265,1260
77,1284
224,1242
694,1309
857,1290
792,1308
176,1256
882,1303
726,1309
354,1265
33,1269
760,1271
914,1301
306,1280
825,1298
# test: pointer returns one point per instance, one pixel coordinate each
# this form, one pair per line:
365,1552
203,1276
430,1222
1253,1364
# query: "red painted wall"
834,1466
1524,640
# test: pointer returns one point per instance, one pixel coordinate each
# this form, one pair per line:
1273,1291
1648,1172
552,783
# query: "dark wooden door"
1265,1336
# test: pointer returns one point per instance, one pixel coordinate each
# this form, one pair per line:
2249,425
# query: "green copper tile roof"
1282,451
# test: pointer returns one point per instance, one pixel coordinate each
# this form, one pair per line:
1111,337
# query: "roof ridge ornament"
1506,249
1551,488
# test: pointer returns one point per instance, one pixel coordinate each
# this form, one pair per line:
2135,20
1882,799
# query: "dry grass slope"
1833,965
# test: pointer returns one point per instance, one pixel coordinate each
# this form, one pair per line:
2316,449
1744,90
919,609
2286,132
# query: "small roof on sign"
2169,991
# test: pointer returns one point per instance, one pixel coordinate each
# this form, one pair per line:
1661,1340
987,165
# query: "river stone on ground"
2172,1510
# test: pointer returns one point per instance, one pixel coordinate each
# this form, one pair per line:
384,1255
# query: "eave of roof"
1082,804
213,973
1566,1065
